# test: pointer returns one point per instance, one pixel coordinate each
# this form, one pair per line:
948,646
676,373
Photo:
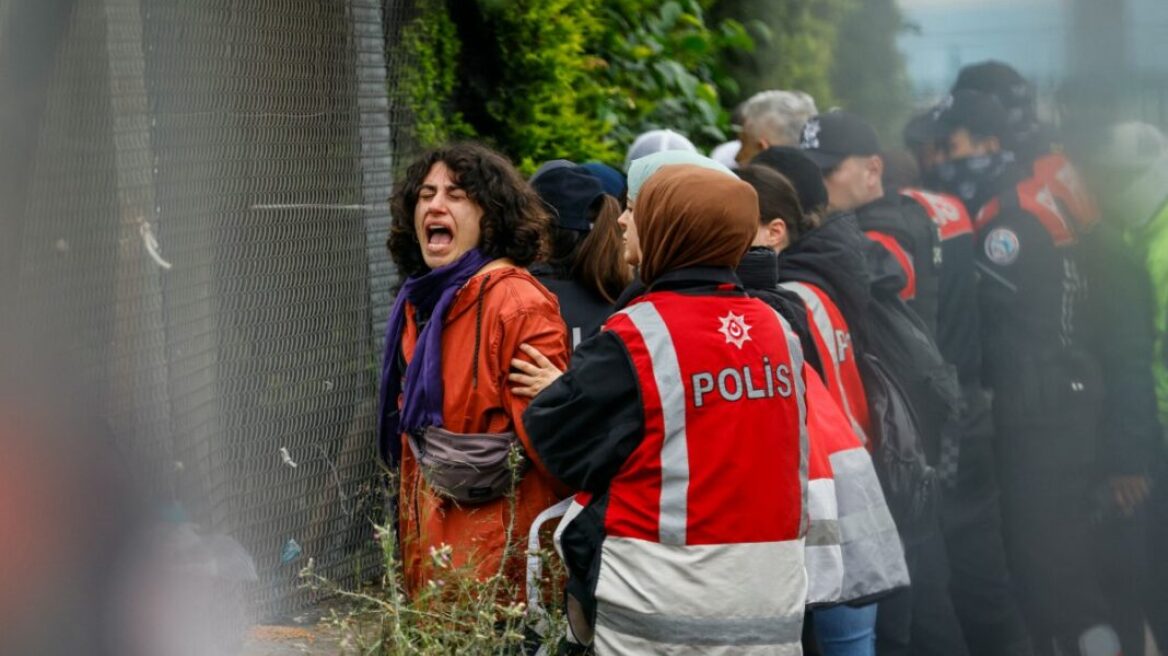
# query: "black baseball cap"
803,174
923,128
569,192
980,113
830,138
1011,90
1000,80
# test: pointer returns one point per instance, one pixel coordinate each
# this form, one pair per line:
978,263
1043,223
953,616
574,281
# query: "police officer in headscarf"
692,460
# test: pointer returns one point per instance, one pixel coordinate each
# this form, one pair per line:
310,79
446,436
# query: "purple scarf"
431,295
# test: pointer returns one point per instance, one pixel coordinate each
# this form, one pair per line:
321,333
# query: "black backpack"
915,401
908,481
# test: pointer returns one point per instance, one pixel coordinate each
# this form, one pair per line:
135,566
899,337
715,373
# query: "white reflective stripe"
862,523
858,493
819,317
824,557
675,630
615,642
674,447
825,574
795,353
750,579
872,550
534,562
821,502
822,322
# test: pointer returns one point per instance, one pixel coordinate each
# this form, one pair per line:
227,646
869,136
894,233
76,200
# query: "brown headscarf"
689,216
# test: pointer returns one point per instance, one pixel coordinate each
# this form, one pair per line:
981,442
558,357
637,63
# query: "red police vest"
833,341
853,549
947,212
1055,196
705,519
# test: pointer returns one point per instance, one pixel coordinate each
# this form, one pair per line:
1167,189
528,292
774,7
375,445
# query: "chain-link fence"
197,194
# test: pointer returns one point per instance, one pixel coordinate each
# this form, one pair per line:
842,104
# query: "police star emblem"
735,329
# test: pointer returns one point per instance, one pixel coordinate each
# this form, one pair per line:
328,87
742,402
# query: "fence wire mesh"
200,222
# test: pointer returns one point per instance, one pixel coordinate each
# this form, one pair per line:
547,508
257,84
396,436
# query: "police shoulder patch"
1002,246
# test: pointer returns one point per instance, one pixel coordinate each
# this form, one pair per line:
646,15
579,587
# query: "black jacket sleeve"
585,425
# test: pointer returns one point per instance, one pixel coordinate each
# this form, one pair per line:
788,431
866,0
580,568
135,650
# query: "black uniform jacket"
850,268
907,222
958,327
759,273
583,311
1065,329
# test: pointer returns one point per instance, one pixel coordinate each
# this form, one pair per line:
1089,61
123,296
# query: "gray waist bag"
467,467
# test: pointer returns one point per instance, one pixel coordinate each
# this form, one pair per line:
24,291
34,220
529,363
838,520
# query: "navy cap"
803,174
980,113
923,128
830,138
1001,81
570,193
611,179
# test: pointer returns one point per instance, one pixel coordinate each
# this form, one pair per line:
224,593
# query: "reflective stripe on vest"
824,557
674,450
825,330
872,551
740,595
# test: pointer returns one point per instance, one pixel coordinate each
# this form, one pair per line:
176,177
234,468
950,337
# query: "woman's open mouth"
438,238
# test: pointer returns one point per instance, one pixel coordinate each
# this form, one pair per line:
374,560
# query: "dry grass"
455,613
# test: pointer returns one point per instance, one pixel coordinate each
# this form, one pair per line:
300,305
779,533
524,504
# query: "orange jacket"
497,310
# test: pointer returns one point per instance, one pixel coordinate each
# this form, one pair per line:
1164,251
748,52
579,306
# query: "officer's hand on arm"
531,379
1129,492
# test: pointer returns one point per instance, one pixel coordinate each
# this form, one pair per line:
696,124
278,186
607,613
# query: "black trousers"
1049,491
1155,590
920,620
980,585
1122,557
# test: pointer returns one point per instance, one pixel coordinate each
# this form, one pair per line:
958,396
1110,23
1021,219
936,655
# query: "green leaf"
734,35
695,44
687,83
668,70
761,30
707,93
641,52
713,133
670,12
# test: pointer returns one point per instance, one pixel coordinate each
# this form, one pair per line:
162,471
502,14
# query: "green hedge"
579,79
796,45
428,58
540,79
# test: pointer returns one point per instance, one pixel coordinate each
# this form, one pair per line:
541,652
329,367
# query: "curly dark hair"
514,222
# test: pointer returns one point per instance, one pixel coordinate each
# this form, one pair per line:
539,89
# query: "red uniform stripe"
909,291
947,212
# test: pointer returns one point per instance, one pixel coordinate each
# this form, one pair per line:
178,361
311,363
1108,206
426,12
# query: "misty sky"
913,4
1031,35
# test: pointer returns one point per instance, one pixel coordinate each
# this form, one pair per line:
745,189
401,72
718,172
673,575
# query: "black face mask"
972,179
